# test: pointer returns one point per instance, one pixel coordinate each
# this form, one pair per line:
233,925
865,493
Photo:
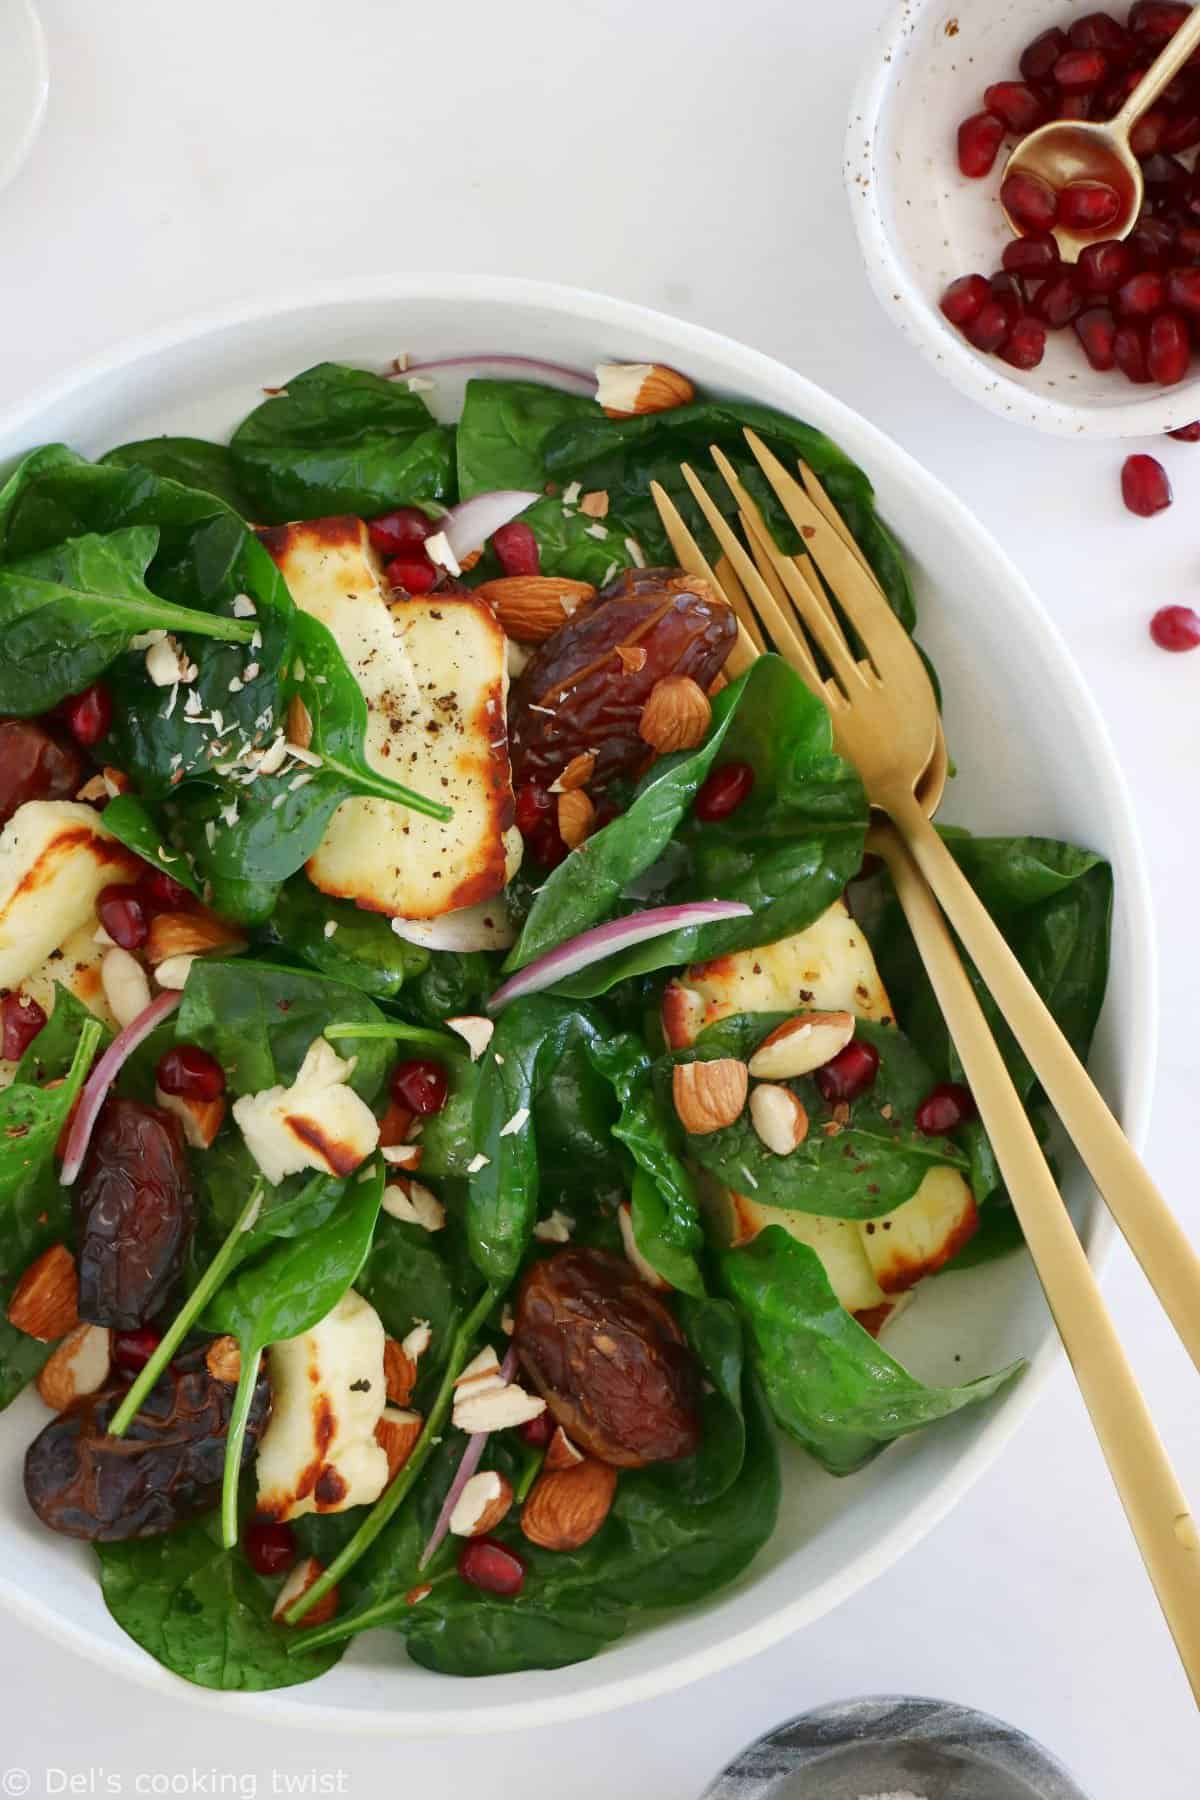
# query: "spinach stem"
363,781
353,1623
394,1028
184,1319
234,1439
392,1497
155,614
529,1474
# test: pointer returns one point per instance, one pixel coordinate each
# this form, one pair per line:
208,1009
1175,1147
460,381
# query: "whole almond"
709,1095
201,1119
483,1503
303,1576
79,1366
577,773
223,1360
399,1372
561,1452
778,1118
676,715
189,934
298,728
627,388
45,1302
575,815
531,608
396,1434
567,1507
802,1044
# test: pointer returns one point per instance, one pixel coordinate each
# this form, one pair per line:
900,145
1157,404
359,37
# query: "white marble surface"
686,156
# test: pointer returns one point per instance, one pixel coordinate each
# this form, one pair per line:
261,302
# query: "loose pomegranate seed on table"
421,1085
964,299
1088,205
132,1350
486,1563
849,1074
944,1109
20,1021
1029,201
517,549
722,792
1145,488
1031,258
413,575
1168,348
400,532
1096,330
1176,628
189,1071
121,912
1187,434
88,715
270,1549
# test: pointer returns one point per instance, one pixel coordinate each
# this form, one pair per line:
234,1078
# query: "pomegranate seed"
850,1073
413,576
1187,434
1129,351
1169,349
1175,628
1032,258
1141,296
1154,21
1021,108
190,1071
1039,57
1008,292
395,533
964,298
132,1350
1058,300
722,792
1183,289
534,806
1166,180
1096,330
421,1085
537,1432
20,1021
1030,202
1150,133
162,893
548,847
1079,71
517,549
1182,132
1088,205
979,138
1100,31
1187,244
1076,106
1151,242
488,1564
1144,486
269,1548
87,716
1103,267
123,916
989,330
945,1109
1026,344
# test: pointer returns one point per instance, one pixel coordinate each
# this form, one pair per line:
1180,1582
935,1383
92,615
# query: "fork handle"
1154,1503
1150,1228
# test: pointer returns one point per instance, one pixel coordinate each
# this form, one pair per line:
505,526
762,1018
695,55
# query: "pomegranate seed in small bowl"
1058,300
1020,106
1039,57
1145,488
1088,205
1176,628
1129,351
1030,202
1025,345
1141,296
979,139
965,298
1096,330
1031,258
1168,348
1104,266
988,330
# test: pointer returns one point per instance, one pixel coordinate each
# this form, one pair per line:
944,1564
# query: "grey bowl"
890,1748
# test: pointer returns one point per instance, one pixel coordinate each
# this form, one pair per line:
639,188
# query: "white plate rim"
506,1714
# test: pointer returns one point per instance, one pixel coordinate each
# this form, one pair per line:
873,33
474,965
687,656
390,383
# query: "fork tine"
805,666
759,531
692,561
833,517
789,640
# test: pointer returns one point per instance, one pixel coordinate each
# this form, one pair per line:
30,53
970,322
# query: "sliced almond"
575,816
201,1119
306,1572
45,1302
418,1340
174,972
484,1501
396,1433
402,1156
709,1095
299,727
778,1117
482,1368
626,388
495,1408
577,774
595,504
414,1204
223,1360
676,715
189,934
531,608
475,1031
802,1044
646,1270
632,658
395,1125
125,985
567,1507
399,1372
561,1453
79,1366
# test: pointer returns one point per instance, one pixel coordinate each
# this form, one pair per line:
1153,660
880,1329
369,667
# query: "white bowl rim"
34,47
983,378
506,1714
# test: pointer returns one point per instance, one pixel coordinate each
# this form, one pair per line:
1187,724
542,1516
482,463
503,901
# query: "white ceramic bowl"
920,223
1033,756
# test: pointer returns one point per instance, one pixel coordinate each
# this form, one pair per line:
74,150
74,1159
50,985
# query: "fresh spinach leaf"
715,1333
193,462
361,949
503,430
201,1611
829,1384
129,819
406,1279
341,440
50,1055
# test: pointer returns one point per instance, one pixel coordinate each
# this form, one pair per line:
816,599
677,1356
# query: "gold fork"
885,720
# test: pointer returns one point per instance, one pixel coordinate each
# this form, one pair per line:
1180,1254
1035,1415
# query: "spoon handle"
1160,74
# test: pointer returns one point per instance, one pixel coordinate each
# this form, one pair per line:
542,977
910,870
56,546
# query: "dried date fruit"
35,765
166,1469
609,1359
134,1214
584,689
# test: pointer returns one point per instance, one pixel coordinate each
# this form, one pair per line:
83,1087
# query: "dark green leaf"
129,819
503,429
193,462
362,949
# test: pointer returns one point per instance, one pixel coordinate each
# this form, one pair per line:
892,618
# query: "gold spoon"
1069,150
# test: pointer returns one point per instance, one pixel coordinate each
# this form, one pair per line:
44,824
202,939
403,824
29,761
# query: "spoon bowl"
1069,151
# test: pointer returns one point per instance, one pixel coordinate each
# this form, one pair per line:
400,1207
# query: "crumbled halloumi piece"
317,1123
434,675
319,1452
55,856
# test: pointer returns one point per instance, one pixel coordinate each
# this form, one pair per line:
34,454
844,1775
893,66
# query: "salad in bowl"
466,1098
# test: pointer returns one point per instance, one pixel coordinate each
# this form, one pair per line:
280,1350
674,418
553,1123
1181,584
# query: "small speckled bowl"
920,223
895,1746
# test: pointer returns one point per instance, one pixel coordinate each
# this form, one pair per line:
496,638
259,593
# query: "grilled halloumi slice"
434,673
55,856
827,967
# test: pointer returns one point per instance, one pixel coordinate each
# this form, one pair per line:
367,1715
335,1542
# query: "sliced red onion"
95,1088
470,1462
603,940
501,360
470,524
